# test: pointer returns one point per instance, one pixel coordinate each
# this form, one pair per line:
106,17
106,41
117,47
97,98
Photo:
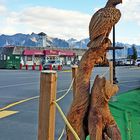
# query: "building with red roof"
31,57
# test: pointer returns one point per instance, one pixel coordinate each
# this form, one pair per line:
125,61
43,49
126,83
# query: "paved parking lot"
20,119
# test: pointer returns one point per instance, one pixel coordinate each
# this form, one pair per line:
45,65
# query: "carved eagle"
102,22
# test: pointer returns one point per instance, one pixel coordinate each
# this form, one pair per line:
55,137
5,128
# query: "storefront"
12,57
31,57
65,56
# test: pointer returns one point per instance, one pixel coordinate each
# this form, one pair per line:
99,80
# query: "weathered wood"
100,121
111,71
46,128
102,22
99,29
81,101
74,73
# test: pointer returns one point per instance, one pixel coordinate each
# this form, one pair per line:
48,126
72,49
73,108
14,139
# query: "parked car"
68,63
128,62
54,64
137,63
120,63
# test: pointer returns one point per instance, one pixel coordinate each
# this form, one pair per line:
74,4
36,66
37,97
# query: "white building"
42,39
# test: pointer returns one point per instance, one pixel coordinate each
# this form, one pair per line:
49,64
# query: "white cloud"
54,22
129,40
2,9
61,23
130,10
8,30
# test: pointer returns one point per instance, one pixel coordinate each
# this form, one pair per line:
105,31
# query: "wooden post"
46,128
113,98
74,73
111,71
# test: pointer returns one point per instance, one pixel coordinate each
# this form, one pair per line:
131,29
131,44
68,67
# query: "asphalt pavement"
19,121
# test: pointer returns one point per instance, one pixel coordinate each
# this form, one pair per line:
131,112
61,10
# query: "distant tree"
135,55
132,56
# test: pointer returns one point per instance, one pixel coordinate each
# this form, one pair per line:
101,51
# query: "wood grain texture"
46,128
74,73
100,119
102,22
85,108
111,72
80,103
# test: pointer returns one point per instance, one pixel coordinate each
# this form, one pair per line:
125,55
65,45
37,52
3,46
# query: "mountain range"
34,40
31,40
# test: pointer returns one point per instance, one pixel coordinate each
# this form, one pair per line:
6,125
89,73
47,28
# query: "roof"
59,52
50,52
33,52
7,50
66,53
14,50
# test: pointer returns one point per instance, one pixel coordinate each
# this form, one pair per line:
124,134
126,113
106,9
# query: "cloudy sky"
65,18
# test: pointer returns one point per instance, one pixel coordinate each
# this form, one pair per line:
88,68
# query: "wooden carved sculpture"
101,123
82,108
81,98
102,22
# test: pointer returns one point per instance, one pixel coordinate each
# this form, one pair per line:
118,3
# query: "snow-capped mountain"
72,42
34,40
18,40
82,44
56,42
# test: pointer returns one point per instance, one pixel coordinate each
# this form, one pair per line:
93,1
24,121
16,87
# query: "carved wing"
102,22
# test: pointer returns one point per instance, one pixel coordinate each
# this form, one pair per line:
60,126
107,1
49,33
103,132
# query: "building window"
17,57
8,57
47,58
1,57
69,58
4,57
29,58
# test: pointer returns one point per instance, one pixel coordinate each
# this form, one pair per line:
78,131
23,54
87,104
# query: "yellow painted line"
7,113
25,100
66,71
19,102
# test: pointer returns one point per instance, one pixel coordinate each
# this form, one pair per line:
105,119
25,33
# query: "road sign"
130,51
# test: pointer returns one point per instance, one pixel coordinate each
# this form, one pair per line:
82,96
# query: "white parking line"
29,77
15,85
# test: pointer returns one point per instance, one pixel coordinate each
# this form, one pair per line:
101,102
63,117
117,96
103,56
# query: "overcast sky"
65,18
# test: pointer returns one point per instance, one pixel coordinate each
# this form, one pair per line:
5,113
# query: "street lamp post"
114,59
